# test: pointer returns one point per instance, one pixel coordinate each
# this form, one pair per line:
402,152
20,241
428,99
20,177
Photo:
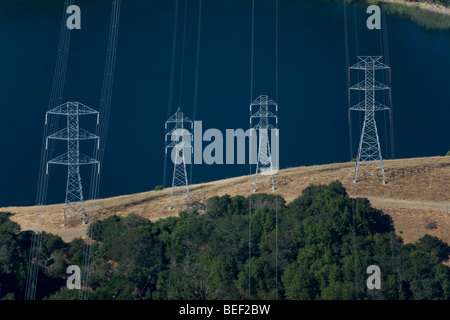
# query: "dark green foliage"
317,247
324,243
76,251
432,245
14,261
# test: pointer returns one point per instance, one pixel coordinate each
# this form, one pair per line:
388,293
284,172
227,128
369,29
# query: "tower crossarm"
260,114
263,99
178,144
362,106
376,86
182,119
64,159
178,117
64,135
72,108
178,132
369,62
261,125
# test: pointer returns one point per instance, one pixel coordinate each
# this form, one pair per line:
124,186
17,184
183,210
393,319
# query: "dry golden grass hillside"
416,195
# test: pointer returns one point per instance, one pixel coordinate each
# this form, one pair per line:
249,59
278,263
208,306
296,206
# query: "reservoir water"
312,84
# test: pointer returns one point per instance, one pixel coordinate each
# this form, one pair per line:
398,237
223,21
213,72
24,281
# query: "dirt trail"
409,204
416,194
412,218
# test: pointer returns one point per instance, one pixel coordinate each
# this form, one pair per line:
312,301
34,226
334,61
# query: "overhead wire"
180,95
357,54
169,112
250,141
183,49
194,111
105,97
197,68
398,244
171,80
250,208
101,132
41,193
276,188
55,100
347,66
183,45
347,63
169,109
385,53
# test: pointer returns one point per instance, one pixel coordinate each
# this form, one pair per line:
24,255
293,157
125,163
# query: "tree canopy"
316,247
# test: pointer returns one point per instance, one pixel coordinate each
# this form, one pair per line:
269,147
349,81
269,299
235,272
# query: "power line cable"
101,132
250,141
41,193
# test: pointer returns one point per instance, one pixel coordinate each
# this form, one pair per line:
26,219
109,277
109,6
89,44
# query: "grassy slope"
416,194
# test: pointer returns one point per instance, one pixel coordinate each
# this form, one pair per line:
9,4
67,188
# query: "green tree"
299,283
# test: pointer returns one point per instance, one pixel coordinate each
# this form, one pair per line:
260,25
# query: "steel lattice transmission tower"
180,143
369,151
73,134
264,165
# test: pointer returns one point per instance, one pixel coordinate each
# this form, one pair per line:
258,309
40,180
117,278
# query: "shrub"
159,187
448,153
431,225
